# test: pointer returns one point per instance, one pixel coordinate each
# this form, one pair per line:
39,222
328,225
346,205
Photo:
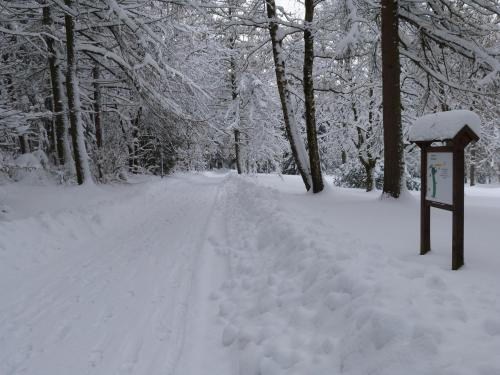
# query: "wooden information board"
442,176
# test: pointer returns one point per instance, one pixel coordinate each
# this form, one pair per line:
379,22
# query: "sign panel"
440,177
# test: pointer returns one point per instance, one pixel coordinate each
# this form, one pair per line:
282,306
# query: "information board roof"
442,126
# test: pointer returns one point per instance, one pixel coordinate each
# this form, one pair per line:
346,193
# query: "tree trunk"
391,94
371,161
83,174
369,166
64,156
310,110
50,129
234,95
134,161
24,145
130,148
293,134
237,150
97,116
472,169
234,92
369,177
97,106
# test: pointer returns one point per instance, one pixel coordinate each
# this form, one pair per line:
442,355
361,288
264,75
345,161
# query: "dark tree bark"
369,165
310,110
234,93
369,161
472,168
79,149
296,144
24,145
134,160
237,150
97,116
97,106
343,157
366,159
61,130
391,94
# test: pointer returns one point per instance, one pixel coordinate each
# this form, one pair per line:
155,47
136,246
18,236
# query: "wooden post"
457,257
425,208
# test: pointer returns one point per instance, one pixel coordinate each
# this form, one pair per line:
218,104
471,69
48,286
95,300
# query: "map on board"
440,177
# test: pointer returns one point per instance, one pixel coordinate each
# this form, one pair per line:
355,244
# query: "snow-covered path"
312,290
115,298
227,275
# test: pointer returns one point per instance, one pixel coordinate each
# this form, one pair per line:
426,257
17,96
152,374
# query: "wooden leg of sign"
457,259
425,229
425,208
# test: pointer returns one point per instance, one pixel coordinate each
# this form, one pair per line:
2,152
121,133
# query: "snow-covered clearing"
217,274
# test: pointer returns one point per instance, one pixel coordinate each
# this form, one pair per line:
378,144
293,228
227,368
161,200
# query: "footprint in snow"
492,327
489,370
436,283
95,357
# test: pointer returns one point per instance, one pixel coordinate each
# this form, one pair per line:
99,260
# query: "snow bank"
305,299
29,168
444,125
39,223
27,161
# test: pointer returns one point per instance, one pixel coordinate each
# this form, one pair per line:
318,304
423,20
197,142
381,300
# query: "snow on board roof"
443,125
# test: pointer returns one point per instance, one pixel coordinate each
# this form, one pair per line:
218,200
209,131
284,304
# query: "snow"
442,126
215,273
336,284
28,167
27,161
98,280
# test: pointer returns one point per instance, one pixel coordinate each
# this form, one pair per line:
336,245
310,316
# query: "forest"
243,187
96,90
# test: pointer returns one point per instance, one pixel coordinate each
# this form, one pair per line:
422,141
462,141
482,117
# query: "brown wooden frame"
455,146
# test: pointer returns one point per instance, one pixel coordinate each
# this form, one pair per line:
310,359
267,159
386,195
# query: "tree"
391,94
310,110
83,174
234,90
64,156
196,86
296,143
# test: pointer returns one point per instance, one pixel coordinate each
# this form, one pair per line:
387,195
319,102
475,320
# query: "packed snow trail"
113,291
306,297
217,274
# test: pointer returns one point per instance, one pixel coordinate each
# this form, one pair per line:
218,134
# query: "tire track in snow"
116,304
191,268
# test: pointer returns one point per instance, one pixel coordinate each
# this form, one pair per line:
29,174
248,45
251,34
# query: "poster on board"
440,177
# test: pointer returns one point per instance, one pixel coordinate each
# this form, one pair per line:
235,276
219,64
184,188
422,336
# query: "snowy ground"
102,280
215,274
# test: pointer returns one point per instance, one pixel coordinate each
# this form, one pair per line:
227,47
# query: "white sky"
295,6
